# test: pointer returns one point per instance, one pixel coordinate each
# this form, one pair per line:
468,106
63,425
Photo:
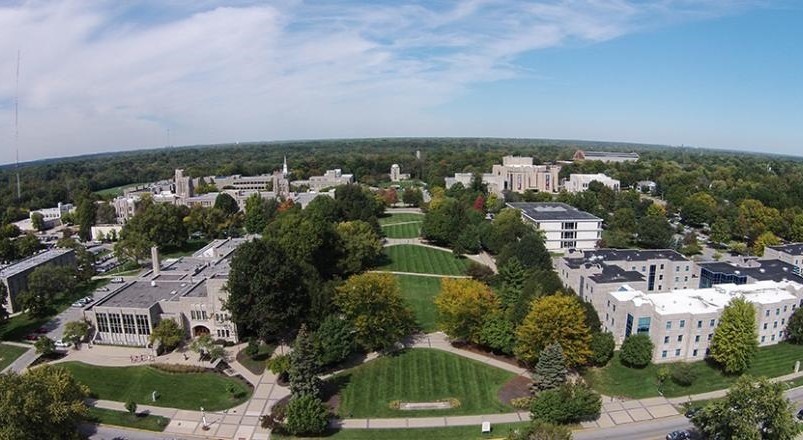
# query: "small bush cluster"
683,374
521,402
570,403
179,368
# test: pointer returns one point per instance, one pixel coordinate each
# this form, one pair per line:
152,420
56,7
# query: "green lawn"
421,259
617,380
189,248
404,230
421,375
147,422
116,190
176,390
420,293
257,363
8,354
450,433
401,217
17,327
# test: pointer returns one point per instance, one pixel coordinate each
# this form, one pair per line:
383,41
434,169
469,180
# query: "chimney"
155,260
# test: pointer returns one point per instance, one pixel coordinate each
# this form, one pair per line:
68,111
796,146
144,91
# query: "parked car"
117,280
88,300
41,330
679,435
32,337
61,344
692,412
800,415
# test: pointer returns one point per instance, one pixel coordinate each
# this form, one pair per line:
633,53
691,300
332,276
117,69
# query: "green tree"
513,276
636,351
131,407
569,403
359,246
333,340
683,374
752,409
268,290
412,197
44,403
169,334
529,250
356,203
550,371
554,319
26,245
654,232
159,224
624,219
765,239
85,213
498,333
45,283
376,310
735,340
699,208
38,221
506,227
463,305
721,231
3,302
794,328
75,332
259,212
306,415
105,214
227,204
538,430
304,365
443,225
45,346
602,346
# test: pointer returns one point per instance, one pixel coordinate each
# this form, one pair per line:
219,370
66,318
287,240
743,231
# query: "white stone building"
579,182
606,156
564,226
516,174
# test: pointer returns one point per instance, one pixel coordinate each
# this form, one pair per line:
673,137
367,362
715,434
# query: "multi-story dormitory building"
663,294
189,290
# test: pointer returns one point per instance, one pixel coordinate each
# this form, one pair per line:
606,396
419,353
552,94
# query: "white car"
61,344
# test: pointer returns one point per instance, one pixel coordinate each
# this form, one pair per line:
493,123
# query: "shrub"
683,374
306,415
179,368
279,364
252,349
521,402
479,272
569,403
637,351
538,430
131,407
602,345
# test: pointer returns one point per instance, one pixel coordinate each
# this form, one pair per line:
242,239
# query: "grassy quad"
421,375
402,230
8,354
617,380
401,217
421,259
420,293
176,390
148,422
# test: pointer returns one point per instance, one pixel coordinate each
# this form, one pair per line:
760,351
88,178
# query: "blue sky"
104,75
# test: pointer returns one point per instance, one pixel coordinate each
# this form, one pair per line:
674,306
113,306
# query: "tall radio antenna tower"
17,125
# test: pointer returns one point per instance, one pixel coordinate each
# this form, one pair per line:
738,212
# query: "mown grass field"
421,259
8,354
176,390
617,380
499,431
420,375
116,190
402,230
420,293
401,217
148,422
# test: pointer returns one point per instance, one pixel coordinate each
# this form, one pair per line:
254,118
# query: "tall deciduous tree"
306,415
46,402
75,332
38,221
44,284
258,212
463,306
226,203
550,371
750,410
794,329
554,318
413,197
359,246
268,290
85,216
333,340
654,232
637,350
735,339
168,333
375,308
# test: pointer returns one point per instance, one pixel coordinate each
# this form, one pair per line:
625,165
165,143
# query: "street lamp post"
205,425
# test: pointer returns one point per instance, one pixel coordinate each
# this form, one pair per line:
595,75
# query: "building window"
103,322
697,338
763,338
767,313
686,279
694,353
775,324
687,268
609,303
772,338
765,326
614,306
783,321
143,327
677,268
643,325
203,314
777,311
680,338
663,354
699,324
677,352
606,317
784,309
629,325
662,266
682,323
128,324
569,225
666,339
114,324
643,268
669,325
711,324
677,279
661,277
710,335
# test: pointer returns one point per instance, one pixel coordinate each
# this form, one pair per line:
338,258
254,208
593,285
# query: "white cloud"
99,76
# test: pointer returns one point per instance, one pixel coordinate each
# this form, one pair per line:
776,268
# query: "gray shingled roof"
546,211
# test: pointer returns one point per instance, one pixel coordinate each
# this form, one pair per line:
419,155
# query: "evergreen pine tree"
513,276
304,365
550,371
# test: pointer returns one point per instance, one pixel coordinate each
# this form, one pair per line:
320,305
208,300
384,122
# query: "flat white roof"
713,299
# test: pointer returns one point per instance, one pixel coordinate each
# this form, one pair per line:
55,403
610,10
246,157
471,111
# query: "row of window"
772,338
128,324
198,314
223,333
680,338
778,310
682,324
644,268
693,353
775,323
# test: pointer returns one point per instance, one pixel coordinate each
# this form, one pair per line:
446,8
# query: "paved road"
113,433
653,429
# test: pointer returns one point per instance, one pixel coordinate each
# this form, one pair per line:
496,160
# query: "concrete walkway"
21,363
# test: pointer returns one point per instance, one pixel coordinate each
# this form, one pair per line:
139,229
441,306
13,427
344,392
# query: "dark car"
32,337
679,435
691,412
41,330
800,415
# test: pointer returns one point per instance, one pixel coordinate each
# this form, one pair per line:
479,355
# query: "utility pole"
17,126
